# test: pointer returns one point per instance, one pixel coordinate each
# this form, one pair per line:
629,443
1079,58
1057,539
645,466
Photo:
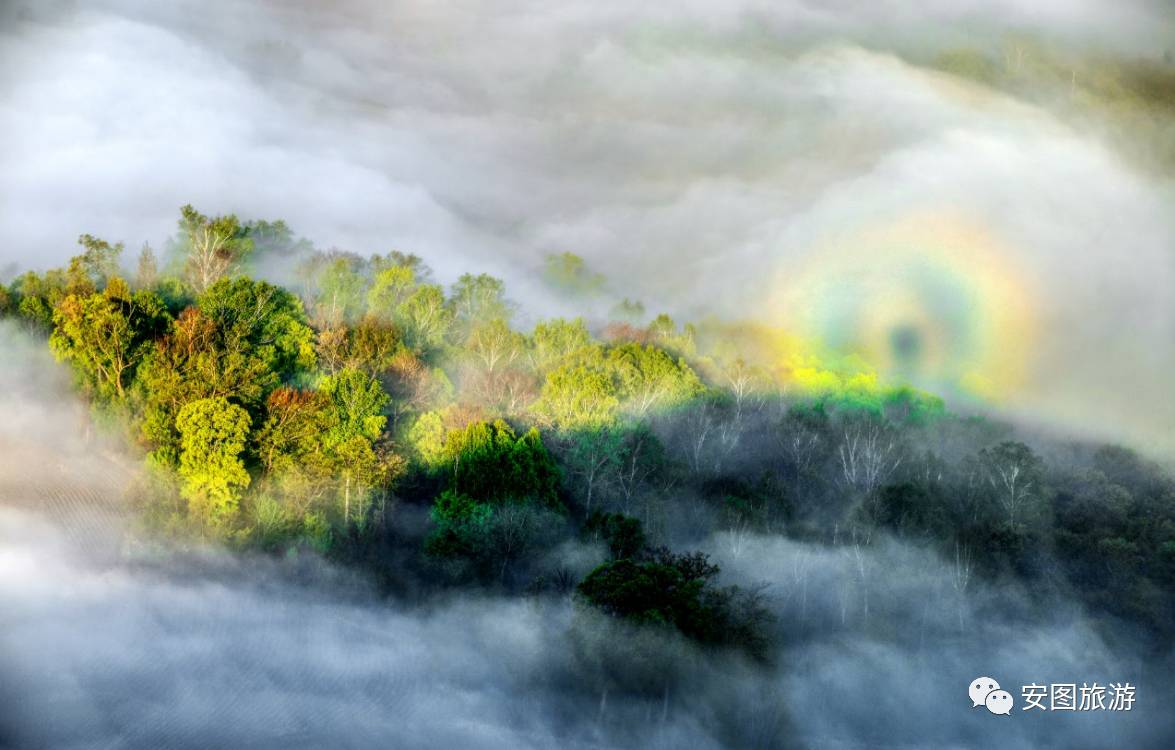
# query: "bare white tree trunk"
210,257
867,457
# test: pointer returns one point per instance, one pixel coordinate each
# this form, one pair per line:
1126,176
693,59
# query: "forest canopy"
312,417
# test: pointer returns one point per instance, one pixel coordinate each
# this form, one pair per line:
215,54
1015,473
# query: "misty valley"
632,529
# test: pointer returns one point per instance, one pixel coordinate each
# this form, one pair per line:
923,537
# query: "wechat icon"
985,691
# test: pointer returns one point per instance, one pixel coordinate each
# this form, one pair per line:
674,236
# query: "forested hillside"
415,432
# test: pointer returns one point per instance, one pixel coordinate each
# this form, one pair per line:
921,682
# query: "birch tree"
214,245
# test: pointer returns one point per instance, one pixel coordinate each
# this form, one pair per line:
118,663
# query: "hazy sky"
710,158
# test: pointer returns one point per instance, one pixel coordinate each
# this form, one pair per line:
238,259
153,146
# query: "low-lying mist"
210,650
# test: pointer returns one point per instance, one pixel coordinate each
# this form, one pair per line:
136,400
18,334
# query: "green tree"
648,378
623,534
493,345
578,398
361,470
420,271
663,330
640,459
666,589
340,292
592,455
490,537
390,289
104,336
244,339
460,523
554,341
414,386
424,318
257,319
371,346
291,438
427,438
491,463
629,311
147,271
568,273
187,365
36,295
97,264
476,299
1014,474
213,434
275,239
358,402
321,444
638,379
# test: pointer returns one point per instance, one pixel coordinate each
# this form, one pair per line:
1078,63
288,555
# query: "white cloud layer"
696,153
